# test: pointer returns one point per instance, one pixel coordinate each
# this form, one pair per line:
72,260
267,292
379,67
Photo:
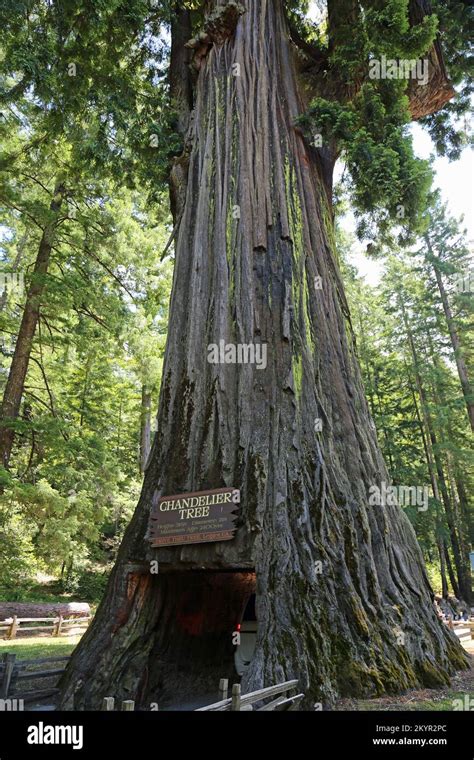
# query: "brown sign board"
194,518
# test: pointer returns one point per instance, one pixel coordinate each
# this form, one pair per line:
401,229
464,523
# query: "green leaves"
363,112
389,184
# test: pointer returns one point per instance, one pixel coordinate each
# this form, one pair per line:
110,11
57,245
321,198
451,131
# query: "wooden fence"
15,674
57,625
464,629
278,694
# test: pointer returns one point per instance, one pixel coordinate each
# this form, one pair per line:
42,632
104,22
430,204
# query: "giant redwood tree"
264,106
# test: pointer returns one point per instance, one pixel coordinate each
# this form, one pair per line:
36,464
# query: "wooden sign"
194,518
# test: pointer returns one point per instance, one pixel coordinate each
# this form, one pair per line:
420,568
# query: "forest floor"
459,695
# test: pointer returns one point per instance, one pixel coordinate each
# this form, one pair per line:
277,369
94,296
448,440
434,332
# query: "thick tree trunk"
21,357
336,579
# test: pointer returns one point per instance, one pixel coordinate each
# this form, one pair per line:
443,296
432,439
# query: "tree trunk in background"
452,576
462,571
442,566
21,357
424,432
336,579
458,496
455,343
145,428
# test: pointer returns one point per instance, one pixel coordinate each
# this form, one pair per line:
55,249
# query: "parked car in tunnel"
248,637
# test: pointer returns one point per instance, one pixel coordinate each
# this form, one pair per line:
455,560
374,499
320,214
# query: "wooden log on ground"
43,609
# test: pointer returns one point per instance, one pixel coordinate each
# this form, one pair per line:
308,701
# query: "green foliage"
74,476
449,128
408,302
390,185
91,585
98,70
366,119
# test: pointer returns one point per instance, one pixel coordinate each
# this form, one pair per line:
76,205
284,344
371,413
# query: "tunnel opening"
201,629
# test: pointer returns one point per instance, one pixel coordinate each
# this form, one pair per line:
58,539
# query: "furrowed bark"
336,579
430,97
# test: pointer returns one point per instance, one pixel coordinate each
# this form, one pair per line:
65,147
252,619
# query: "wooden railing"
239,701
57,625
14,674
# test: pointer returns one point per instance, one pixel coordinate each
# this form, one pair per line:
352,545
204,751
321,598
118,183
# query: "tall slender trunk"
421,419
442,567
451,573
335,577
464,584
145,427
16,378
458,497
455,342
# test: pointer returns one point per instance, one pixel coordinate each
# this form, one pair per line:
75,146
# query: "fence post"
13,627
128,705
223,688
57,628
8,666
108,703
235,697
